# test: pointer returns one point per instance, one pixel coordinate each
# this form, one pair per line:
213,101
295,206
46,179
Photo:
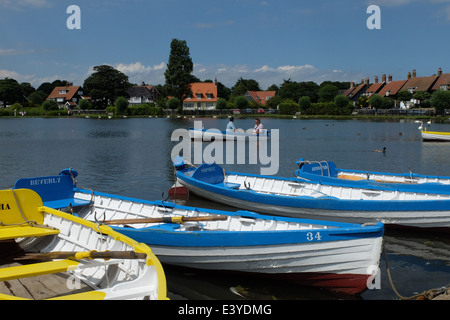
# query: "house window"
199,95
60,100
444,87
209,96
63,91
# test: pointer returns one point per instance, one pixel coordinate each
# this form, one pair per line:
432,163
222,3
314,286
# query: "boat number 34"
313,236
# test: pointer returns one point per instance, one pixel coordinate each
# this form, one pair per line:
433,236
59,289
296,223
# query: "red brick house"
260,97
67,97
203,97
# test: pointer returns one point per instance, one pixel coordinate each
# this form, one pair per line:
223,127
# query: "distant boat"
326,171
332,201
432,135
215,134
332,255
113,266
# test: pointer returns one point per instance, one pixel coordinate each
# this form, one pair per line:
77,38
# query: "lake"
132,157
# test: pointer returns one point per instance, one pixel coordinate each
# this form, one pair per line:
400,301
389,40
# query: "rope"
426,295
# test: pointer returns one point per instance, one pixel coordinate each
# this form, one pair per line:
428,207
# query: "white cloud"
16,4
138,72
267,75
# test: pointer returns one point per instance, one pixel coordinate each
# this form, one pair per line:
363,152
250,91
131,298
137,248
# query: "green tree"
173,103
244,85
50,105
327,93
179,68
341,101
304,103
241,102
10,91
288,106
27,88
84,104
296,90
121,104
37,98
376,101
440,100
105,85
221,103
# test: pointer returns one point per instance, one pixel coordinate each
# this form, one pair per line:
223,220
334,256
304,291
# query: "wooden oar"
78,255
179,219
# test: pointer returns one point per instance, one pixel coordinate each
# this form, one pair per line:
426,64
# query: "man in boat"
258,126
230,125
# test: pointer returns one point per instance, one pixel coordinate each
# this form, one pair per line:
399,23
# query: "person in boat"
258,126
230,125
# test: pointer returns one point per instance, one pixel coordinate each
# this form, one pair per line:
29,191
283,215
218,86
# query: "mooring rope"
426,295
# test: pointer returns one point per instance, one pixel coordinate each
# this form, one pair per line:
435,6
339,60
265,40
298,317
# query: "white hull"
435,136
340,257
335,263
210,135
411,219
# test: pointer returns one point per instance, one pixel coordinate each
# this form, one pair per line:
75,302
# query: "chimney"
352,85
215,81
440,72
414,73
409,75
367,81
384,78
390,78
376,79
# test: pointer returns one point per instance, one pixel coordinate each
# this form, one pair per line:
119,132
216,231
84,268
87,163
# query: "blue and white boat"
326,171
301,198
215,134
338,256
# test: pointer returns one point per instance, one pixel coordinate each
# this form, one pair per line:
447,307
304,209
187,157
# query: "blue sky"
265,40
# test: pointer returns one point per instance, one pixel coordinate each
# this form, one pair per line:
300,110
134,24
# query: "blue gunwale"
167,234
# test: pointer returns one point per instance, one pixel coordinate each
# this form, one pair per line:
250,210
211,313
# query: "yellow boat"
112,265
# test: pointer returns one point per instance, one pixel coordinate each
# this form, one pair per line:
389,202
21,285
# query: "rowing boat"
326,171
112,265
298,197
215,134
432,135
337,256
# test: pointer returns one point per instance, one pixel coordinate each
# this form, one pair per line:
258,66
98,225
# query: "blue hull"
58,192
431,211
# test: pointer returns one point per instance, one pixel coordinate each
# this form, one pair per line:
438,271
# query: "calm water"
131,157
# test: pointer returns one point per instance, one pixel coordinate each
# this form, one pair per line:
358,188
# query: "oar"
179,219
78,255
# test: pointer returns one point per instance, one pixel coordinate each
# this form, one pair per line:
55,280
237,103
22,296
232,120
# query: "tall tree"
179,69
10,91
244,85
105,85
